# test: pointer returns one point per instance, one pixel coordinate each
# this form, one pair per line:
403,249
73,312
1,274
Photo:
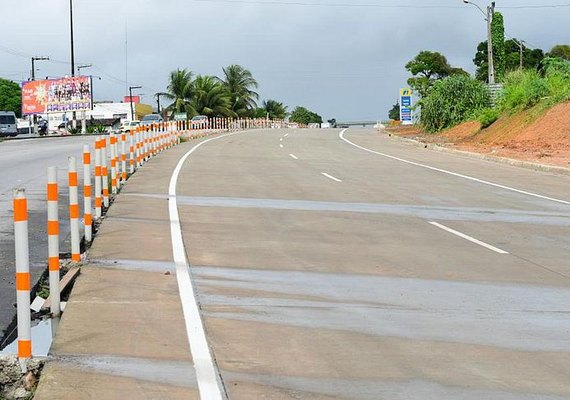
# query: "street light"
489,19
157,95
82,66
83,113
520,43
74,116
131,100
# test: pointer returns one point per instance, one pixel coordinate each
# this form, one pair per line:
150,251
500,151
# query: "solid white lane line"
471,239
206,372
293,156
330,177
471,178
281,145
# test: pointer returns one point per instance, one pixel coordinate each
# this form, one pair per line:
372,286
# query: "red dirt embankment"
521,136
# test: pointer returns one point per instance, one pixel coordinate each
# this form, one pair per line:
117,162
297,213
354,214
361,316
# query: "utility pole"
489,18
520,43
74,115
131,100
83,113
490,13
34,59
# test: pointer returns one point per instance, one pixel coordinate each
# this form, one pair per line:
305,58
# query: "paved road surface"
24,163
327,271
362,268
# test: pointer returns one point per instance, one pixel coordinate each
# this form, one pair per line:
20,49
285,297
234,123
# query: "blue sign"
406,117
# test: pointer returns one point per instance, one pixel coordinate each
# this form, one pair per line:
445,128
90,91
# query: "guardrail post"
74,210
53,240
23,281
87,212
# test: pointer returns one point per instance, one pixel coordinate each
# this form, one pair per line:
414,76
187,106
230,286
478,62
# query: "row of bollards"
144,143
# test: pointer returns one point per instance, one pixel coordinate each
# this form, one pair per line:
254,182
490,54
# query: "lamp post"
489,18
74,116
157,95
131,100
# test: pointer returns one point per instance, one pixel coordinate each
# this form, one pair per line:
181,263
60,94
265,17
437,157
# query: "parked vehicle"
151,119
127,126
8,126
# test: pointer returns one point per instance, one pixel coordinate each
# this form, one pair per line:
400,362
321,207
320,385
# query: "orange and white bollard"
123,158
131,152
74,209
87,212
113,144
104,173
53,240
23,280
98,198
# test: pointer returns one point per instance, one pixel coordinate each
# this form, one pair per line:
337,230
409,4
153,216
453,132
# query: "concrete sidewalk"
122,335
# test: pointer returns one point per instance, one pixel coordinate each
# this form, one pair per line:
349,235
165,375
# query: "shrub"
451,101
487,117
522,90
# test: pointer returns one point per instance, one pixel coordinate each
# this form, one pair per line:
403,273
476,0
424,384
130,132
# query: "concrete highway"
359,267
23,163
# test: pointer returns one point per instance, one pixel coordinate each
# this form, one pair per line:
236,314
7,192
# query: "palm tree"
211,98
240,84
180,91
274,109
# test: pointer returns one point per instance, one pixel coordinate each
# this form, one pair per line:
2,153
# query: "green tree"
302,115
273,109
532,58
240,84
180,91
453,100
394,112
498,38
560,51
426,68
10,97
210,98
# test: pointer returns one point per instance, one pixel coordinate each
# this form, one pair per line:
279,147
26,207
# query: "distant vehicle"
151,119
8,124
127,126
325,125
199,120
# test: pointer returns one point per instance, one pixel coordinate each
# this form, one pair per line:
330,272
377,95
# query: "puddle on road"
42,337
523,317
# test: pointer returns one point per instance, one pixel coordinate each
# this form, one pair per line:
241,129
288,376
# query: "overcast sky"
341,58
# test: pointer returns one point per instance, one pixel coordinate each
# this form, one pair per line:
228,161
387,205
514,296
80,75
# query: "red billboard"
134,99
57,95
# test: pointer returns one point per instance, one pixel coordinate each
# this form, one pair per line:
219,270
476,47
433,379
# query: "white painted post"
98,199
113,143
104,172
123,158
87,212
53,240
74,210
23,281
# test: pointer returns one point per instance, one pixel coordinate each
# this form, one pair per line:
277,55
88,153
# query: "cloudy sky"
341,58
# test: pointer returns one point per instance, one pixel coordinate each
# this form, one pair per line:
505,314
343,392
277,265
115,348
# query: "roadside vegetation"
448,96
233,94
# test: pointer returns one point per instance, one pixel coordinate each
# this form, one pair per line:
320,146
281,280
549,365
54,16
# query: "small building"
103,113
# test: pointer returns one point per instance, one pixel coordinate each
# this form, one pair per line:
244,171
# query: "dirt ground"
523,136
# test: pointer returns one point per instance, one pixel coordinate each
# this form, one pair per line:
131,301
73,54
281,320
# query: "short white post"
74,210
53,240
123,158
104,172
131,152
98,199
87,212
23,281
113,143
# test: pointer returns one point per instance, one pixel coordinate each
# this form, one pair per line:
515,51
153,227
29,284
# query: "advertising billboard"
134,99
57,95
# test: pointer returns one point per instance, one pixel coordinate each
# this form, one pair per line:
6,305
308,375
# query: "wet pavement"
312,288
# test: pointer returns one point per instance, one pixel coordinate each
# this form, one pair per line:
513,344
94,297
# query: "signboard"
180,116
406,104
57,95
134,99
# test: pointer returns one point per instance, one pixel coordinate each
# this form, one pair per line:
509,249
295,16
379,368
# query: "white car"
127,126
